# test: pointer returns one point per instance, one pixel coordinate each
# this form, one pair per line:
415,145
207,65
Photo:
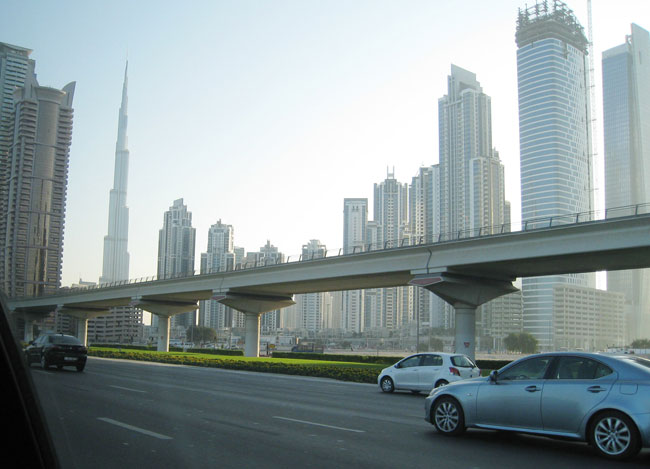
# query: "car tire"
44,362
386,384
448,417
615,436
80,368
442,382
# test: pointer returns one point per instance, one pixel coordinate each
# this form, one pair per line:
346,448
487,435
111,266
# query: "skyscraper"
116,255
355,220
472,193
312,306
626,122
176,247
391,214
219,256
554,136
36,178
123,323
15,68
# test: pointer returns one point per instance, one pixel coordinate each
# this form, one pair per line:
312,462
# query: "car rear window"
64,340
462,361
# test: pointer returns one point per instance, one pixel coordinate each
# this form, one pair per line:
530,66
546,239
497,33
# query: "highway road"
124,414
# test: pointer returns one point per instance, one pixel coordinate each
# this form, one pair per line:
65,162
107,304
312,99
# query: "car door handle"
596,389
532,388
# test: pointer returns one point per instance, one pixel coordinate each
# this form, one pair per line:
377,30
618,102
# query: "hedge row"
485,364
342,373
338,358
207,351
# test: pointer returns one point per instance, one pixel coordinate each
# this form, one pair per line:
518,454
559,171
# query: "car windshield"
232,215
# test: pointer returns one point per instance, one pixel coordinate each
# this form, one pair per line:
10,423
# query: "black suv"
57,349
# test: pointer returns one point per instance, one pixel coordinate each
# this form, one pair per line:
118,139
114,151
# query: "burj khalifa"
116,255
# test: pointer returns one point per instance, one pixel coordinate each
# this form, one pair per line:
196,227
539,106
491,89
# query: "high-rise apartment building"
312,307
626,122
472,190
176,247
355,220
390,209
219,256
34,198
554,136
15,68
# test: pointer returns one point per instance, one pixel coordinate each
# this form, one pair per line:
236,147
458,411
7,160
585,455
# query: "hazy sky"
267,114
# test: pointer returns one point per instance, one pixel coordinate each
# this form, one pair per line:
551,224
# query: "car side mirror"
397,365
493,376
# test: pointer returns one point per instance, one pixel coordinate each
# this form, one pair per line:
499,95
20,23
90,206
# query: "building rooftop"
549,19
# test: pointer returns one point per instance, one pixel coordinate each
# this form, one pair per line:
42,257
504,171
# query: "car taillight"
454,371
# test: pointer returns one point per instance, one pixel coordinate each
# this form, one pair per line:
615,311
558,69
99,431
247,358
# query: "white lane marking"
320,424
127,389
135,429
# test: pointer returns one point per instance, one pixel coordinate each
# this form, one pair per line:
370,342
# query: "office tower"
391,213
626,122
355,220
554,136
116,255
312,307
220,256
36,178
176,247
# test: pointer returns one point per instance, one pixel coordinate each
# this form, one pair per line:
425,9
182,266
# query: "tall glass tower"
626,122
554,138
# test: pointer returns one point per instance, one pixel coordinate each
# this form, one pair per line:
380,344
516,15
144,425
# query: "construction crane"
595,158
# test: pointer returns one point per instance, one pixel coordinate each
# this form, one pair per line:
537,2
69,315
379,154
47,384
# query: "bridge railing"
407,241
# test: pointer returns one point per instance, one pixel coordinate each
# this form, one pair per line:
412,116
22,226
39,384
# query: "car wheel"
44,362
615,436
442,382
81,367
386,384
447,416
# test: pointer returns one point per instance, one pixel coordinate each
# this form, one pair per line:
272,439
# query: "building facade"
176,248
626,123
355,220
36,177
554,137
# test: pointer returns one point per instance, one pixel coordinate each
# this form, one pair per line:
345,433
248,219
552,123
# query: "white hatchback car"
425,371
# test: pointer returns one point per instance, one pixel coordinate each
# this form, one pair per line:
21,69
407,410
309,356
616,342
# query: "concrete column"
163,333
252,338
465,329
465,293
82,330
252,306
29,330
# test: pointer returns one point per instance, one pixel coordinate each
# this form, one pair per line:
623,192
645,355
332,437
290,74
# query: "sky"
266,114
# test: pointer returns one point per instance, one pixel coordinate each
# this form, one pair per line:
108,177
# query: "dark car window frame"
558,360
549,368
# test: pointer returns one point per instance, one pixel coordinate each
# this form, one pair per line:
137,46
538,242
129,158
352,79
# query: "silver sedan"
601,399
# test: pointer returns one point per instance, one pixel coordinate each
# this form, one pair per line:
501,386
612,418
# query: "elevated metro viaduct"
465,273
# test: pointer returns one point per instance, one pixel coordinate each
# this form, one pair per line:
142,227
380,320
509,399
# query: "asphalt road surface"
125,414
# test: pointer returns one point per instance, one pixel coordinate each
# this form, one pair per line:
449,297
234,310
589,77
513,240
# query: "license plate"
70,359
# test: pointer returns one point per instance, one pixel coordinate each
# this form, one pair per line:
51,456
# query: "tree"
521,342
200,334
640,343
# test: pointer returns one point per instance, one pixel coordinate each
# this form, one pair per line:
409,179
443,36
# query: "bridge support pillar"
82,330
164,309
29,330
465,294
253,306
